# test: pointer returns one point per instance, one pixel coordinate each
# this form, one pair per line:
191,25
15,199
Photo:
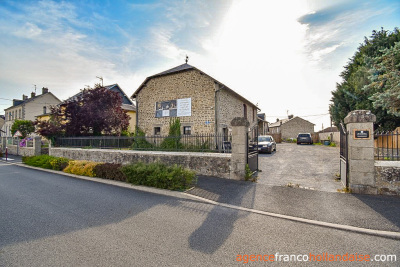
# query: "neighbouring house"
203,104
29,108
263,127
330,133
291,127
127,104
2,121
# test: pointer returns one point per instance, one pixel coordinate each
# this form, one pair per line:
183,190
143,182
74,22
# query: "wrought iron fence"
202,143
387,145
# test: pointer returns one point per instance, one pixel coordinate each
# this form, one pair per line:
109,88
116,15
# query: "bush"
159,175
109,171
140,141
59,164
81,167
42,161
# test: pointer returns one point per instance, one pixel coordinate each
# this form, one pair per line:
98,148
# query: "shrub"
42,161
81,167
109,171
159,175
172,142
140,141
59,164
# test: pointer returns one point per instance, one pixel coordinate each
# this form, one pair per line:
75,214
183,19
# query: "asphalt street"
53,220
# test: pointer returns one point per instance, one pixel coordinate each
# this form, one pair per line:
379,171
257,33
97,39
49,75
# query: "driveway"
306,166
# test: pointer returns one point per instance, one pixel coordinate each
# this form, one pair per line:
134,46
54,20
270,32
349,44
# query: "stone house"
28,108
263,127
291,127
203,104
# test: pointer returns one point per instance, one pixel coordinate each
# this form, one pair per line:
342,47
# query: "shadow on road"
220,220
386,206
39,204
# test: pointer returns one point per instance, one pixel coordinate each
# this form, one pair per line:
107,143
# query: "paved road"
304,165
53,220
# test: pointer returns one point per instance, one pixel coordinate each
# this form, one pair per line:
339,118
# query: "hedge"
154,174
159,175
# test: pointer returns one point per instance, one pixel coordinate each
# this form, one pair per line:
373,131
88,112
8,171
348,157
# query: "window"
157,130
187,130
44,110
19,114
245,111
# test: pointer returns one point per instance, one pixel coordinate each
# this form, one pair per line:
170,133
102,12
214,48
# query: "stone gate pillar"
240,127
37,145
360,127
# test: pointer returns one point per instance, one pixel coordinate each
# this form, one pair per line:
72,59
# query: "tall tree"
385,80
93,112
25,127
351,93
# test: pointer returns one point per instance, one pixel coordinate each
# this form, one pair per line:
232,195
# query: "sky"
285,56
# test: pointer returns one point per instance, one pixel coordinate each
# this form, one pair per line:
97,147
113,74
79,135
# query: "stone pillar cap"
240,121
359,116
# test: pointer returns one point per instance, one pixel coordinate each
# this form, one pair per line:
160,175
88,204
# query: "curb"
184,195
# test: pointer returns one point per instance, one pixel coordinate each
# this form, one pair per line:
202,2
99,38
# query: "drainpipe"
137,115
216,107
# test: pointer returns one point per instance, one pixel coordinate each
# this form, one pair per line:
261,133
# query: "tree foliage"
365,67
385,80
26,127
93,112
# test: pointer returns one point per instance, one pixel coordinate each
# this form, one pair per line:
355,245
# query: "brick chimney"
45,90
290,117
33,94
24,97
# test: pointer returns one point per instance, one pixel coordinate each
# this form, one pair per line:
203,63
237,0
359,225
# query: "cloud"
335,26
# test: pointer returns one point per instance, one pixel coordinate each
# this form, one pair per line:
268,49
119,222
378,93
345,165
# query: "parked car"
304,138
266,144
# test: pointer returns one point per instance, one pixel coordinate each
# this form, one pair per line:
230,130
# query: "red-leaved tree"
91,113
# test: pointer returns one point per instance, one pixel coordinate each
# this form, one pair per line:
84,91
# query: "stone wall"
188,84
387,177
327,136
211,164
22,151
210,102
295,126
229,107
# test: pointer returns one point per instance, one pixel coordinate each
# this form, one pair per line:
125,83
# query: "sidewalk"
11,159
365,211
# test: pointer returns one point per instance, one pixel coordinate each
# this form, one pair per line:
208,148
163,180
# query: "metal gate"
252,148
343,155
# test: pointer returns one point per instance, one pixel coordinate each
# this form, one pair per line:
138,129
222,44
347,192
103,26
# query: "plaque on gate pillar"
361,134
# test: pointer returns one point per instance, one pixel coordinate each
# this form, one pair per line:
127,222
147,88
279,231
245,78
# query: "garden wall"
387,177
210,164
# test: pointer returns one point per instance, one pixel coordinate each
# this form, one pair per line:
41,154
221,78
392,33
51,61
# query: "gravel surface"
307,166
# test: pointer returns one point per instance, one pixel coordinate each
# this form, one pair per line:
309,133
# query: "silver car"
266,144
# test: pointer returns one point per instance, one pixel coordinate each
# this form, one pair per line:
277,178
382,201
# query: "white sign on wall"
184,106
174,108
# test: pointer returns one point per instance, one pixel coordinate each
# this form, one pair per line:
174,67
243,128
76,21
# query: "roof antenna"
35,87
101,79
187,59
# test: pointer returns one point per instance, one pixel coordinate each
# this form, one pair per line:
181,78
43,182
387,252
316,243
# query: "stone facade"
387,176
213,105
290,128
210,164
361,152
